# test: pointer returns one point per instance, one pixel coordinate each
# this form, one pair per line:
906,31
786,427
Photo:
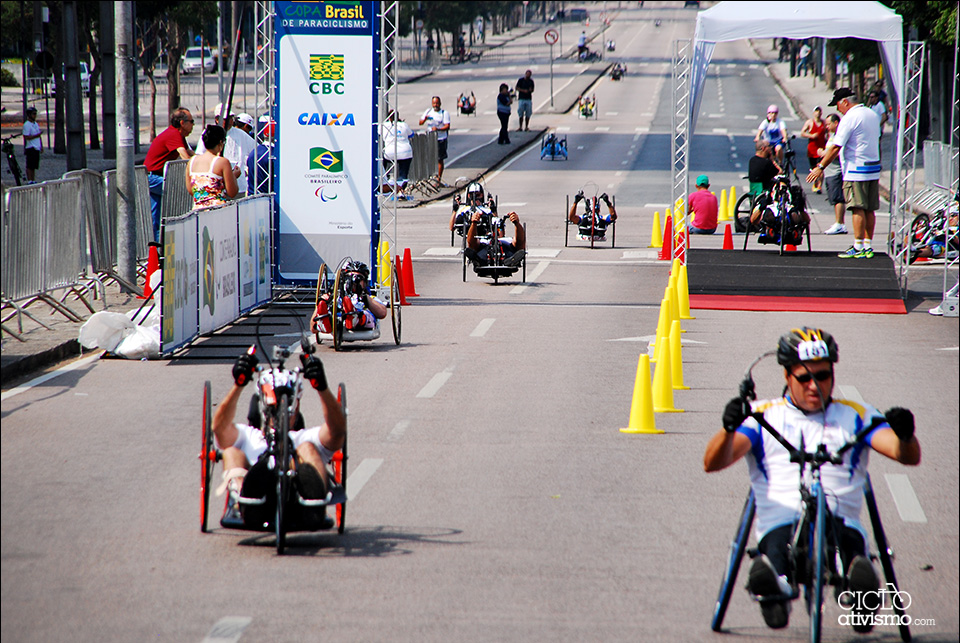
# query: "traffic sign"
551,36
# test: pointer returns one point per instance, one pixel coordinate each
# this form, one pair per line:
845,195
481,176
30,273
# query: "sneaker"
836,228
515,259
231,512
862,580
866,253
849,253
764,583
936,311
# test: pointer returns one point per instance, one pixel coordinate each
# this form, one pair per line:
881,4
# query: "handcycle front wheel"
737,548
323,287
819,569
208,457
336,309
284,481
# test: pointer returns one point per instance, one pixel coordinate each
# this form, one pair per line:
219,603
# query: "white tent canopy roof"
796,20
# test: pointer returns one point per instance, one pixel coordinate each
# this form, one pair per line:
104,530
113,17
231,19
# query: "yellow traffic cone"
732,203
676,358
723,206
384,266
641,409
663,383
663,329
656,236
683,294
669,293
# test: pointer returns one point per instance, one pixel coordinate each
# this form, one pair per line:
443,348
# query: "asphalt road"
493,495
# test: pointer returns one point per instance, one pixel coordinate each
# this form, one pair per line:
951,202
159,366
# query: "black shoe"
310,484
231,512
762,582
514,260
863,583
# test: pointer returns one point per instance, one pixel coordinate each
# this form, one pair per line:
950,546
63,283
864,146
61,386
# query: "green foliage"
7,79
934,20
863,54
13,32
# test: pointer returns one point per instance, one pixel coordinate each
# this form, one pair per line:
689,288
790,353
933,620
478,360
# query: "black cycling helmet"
358,267
806,345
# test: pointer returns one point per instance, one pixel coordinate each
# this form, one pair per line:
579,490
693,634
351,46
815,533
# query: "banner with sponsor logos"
254,228
327,75
219,265
179,322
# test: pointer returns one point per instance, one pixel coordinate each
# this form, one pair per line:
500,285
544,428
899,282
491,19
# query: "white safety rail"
388,95
680,140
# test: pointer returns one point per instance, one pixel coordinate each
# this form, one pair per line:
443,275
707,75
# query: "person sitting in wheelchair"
462,212
765,216
807,415
468,104
587,105
618,71
360,310
243,444
480,248
592,224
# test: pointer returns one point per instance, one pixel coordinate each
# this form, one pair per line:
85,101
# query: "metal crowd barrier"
424,165
937,173
42,247
177,199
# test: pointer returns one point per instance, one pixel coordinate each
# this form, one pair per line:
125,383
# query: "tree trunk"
153,104
173,67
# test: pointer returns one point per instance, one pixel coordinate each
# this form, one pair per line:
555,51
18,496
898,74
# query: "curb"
31,363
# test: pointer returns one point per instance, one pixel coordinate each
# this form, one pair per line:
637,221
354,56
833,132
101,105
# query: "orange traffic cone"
727,238
666,250
402,284
789,247
407,280
153,264
641,409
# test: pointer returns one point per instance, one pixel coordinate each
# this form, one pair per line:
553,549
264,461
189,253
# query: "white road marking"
435,383
517,204
719,130
397,431
601,129
442,252
543,253
361,476
37,381
655,205
228,629
537,271
905,498
563,129
611,113
482,327
640,254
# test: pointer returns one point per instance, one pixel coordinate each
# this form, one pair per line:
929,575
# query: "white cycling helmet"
774,109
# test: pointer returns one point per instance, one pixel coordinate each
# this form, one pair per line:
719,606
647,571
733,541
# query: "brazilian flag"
323,159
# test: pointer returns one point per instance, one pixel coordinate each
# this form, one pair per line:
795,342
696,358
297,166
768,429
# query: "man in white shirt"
32,144
237,148
438,120
857,142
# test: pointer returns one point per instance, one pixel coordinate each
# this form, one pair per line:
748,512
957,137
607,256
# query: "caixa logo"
327,120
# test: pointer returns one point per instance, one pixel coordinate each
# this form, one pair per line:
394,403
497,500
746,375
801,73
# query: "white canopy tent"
796,20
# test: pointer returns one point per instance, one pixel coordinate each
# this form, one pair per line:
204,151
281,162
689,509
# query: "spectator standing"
581,45
503,113
525,87
437,120
32,144
857,142
833,181
169,145
805,52
262,160
397,148
879,108
815,131
704,207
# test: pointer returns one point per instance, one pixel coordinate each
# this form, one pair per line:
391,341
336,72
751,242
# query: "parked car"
570,15
196,57
84,80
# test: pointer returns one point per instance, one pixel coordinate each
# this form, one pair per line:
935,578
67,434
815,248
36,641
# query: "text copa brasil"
327,16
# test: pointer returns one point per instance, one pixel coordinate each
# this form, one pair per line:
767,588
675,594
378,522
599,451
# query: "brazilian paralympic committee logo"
885,606
327,74
326,194
323,159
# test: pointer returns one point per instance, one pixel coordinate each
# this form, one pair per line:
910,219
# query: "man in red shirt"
704,207
169,145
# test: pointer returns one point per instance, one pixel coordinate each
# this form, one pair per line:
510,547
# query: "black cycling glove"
313,371
605,198
243,368
901,421
579,197
734,414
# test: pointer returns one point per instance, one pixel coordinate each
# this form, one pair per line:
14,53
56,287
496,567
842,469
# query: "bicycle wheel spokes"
737,549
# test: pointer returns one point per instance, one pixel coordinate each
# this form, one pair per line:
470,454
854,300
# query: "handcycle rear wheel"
395,305
323,287
741,213
208,457
336,309
284,481
737,549
884,552
340,462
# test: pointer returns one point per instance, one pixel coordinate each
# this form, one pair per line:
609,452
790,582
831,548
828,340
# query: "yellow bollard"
663,383
641,408
722,212
676,358
732,203
683,294
656,236
384,266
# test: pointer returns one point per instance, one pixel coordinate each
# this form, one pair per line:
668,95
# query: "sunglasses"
820,376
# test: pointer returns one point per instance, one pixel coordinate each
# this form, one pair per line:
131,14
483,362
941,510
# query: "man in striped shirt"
857,142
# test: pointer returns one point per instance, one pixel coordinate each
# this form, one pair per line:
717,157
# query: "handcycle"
462,217
329,320
747,201
282,510
814,552
9,151
492,261
783,218
936,237
554,147
467,105
593,226
619,71
587,107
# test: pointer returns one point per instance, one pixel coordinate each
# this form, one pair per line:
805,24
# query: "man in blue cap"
703,205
